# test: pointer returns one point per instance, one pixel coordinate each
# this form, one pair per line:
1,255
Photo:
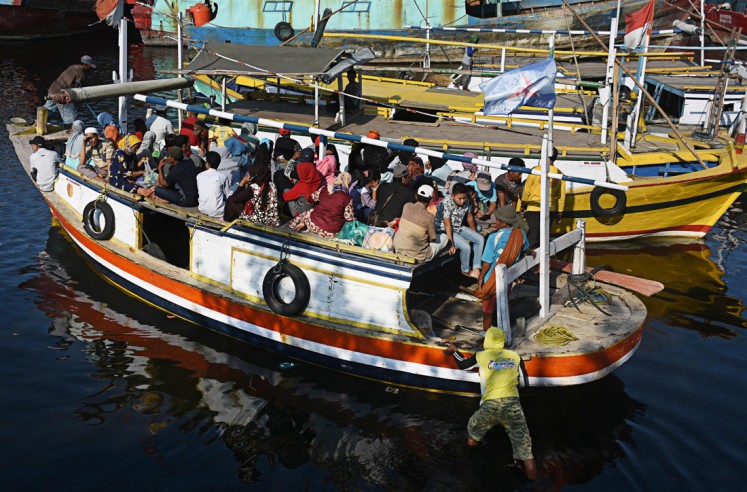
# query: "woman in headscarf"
298,197
122,171
415,172
74,145
262,204
328,166
333,206
228,165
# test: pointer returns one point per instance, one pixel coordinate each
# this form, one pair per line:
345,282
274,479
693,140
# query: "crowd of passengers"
427,207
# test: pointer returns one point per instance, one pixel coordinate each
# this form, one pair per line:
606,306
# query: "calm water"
100,392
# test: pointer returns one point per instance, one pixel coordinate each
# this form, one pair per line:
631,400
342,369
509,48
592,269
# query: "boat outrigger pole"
370,141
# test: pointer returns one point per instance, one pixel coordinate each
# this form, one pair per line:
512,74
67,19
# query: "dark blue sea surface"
102,392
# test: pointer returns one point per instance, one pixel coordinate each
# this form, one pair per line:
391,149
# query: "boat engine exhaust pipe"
83,94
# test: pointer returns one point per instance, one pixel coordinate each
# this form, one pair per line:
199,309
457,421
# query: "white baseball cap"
425,191
91,129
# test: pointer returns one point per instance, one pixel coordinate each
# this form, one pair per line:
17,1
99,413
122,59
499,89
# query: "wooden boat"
271,23
670,193
38,19
375,315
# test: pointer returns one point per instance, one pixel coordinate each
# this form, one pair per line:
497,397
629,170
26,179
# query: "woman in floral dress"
333,206
262,206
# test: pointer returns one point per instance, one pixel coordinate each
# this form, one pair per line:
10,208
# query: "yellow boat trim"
509,49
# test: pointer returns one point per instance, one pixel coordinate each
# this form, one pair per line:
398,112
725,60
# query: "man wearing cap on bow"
71,77
416,236
504,246
43,164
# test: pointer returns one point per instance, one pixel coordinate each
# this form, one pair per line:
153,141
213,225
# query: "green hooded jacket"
499,367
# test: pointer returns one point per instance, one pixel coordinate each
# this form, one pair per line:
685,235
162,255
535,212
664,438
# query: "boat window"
356,8
481,8
277,6
166,238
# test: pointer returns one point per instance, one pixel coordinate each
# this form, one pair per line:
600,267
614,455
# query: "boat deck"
449,135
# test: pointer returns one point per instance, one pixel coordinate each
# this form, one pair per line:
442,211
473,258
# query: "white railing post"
579,252
503,59
501,299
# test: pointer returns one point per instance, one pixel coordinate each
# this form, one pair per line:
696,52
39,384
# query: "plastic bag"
380,239
353,232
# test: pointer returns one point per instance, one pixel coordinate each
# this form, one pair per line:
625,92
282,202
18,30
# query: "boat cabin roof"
273,59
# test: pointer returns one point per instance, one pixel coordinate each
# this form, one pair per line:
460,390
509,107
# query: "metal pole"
606,94
316,103
702,33
123,73
223,95
544,253
179,61
343,122
579,252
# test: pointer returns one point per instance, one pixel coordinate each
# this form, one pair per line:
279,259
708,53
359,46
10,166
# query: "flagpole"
123,73
544,250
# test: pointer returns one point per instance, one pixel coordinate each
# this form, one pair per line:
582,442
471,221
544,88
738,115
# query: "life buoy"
98,220
284,31
300,284
621,202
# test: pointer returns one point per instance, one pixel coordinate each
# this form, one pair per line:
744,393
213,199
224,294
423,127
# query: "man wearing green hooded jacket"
499,370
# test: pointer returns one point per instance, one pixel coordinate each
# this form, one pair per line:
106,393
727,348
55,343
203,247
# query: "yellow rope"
554,336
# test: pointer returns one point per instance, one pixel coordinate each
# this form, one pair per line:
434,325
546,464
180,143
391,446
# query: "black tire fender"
621,202
300,283
283,31
91,223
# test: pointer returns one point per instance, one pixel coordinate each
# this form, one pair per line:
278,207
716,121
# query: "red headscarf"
309,180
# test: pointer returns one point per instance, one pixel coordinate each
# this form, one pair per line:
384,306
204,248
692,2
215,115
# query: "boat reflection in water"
694,296
181,387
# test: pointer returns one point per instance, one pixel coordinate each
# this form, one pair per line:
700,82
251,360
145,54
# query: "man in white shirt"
213,187
160,126
43,166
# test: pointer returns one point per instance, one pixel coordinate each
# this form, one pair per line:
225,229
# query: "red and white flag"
110,11
638,25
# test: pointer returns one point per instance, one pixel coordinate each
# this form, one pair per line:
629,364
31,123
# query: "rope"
554,336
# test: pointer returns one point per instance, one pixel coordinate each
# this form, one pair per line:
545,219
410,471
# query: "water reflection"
695,294
344,432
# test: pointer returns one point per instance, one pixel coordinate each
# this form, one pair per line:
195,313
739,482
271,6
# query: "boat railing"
505,276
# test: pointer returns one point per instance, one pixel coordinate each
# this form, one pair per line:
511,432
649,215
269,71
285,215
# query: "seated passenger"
285,146
228,165
393,196
332,208
415,172
221,132
503,246
182,141
416,236
261,205
97,154
74,145
212,187
43,164
122,172
180,186
439,171
298,197
450,219
487,198
328,166
364,194
467,174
